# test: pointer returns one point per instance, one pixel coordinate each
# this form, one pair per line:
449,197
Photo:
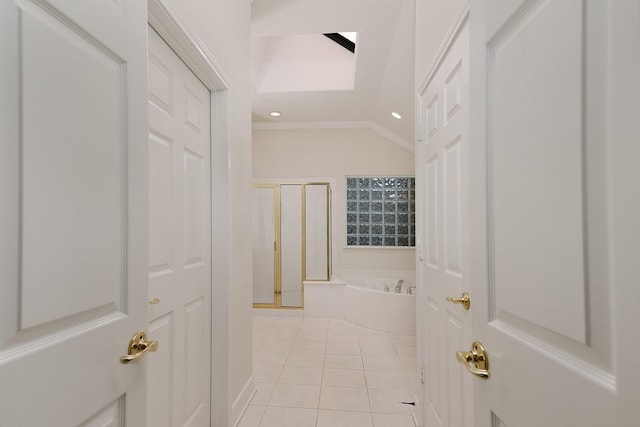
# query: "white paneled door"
73,212
443,270
179,379
555,211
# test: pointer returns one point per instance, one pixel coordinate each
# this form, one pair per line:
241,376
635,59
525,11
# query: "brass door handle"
465,300
154,301
476,361
138,347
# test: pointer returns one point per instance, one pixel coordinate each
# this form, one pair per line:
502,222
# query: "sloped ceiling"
384,73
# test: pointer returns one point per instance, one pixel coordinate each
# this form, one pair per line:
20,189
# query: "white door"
179,381
443,267
555,211
73,212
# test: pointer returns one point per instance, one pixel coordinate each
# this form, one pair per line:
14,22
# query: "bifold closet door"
317,265
291,249
264,238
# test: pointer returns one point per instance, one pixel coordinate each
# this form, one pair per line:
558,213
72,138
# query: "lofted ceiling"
384,65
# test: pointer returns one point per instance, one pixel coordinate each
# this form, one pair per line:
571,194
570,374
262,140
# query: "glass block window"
381,211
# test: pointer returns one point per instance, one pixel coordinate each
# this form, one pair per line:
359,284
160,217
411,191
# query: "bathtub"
364,303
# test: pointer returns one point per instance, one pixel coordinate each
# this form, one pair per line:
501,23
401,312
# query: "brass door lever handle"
138,347
465,300
476,361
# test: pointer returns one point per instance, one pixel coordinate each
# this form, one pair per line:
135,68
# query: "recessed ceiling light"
396,115
275,114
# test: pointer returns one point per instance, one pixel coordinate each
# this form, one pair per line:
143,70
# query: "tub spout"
398,288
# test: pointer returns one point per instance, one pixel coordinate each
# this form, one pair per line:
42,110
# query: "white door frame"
169,23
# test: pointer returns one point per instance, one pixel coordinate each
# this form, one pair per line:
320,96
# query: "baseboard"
242,401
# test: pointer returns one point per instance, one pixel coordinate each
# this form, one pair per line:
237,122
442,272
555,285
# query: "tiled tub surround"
363,302
381,211
330,373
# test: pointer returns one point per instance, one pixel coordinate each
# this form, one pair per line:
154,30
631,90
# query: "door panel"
535,182
291,244
264,244
73,226
442,162
543,175
180,226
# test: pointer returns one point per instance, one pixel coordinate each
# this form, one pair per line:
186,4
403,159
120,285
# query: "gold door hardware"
465,300
476,361
138,347
154,301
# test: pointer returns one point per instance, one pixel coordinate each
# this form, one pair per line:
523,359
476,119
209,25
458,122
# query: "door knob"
138,347
476,361
465,300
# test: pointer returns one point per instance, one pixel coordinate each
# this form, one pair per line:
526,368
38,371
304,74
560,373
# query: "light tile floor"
330,373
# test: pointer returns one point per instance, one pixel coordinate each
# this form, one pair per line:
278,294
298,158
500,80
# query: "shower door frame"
277,257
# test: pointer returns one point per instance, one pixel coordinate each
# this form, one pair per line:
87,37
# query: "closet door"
264,245
291,250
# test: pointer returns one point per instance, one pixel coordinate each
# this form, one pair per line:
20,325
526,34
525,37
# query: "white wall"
224,27
336,153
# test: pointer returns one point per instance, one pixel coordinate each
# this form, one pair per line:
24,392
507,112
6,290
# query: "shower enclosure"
291,241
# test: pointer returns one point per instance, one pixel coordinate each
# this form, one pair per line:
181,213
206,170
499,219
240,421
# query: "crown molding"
380,130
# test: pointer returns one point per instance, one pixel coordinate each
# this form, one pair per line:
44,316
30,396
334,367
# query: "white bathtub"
364,303
367,305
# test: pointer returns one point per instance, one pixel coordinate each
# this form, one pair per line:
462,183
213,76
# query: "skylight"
346,39
350,36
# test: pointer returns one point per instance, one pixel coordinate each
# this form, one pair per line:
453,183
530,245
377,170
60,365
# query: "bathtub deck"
328,372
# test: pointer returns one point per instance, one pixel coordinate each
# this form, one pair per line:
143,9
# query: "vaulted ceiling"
384,65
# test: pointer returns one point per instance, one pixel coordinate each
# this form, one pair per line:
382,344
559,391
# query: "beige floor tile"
263,393
374,339
274,346
390,401
406,350
350,338
252,416
383,363
305,360
331,418
366,331
312,335
288,417
339,325
314,323
313,347
267,374
403,339
342,348
269,358
391,420
343,378
378,349
295,395
343,361
344,399
387,380
297,375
